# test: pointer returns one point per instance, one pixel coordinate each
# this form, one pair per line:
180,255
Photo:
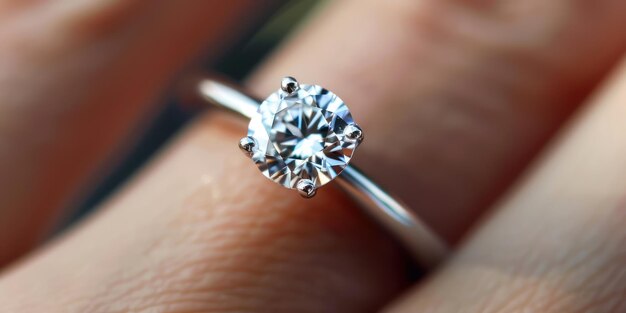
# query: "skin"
66,69
471,92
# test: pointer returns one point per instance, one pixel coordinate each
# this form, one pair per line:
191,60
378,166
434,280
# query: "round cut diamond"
300,135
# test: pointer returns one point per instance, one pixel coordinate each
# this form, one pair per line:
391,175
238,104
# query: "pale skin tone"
508,118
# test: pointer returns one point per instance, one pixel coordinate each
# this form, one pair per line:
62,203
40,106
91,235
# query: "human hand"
466,93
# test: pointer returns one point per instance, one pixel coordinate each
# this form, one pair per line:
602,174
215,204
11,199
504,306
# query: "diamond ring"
303,137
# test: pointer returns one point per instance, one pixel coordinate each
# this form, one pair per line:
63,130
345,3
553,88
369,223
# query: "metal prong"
247,145
289,84
306,188
354,133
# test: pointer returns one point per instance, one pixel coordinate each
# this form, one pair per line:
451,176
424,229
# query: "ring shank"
424,245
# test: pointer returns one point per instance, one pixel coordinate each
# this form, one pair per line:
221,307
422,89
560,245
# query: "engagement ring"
303,137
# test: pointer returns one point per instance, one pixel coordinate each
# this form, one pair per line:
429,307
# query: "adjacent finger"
454,96
201,230
76,77
557,243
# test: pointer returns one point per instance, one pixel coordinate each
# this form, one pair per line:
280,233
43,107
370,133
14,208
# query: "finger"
454,96
76,78
165,255
200,230
556,244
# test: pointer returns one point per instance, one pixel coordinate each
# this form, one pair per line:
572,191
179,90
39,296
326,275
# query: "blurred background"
272,28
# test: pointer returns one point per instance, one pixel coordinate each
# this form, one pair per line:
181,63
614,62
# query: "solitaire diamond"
301,137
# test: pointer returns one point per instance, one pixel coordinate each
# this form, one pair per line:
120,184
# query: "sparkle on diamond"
300,136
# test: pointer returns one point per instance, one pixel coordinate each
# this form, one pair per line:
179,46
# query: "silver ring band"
423,244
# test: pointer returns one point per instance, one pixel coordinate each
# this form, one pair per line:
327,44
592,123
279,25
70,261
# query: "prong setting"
289,85
247,145
276,146
354,133
306,188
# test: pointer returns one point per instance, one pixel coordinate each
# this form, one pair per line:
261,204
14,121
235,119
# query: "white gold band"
425,246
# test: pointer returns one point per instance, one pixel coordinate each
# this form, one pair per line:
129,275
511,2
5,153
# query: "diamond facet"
300,136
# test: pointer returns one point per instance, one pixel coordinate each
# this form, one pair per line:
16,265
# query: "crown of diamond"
301,137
